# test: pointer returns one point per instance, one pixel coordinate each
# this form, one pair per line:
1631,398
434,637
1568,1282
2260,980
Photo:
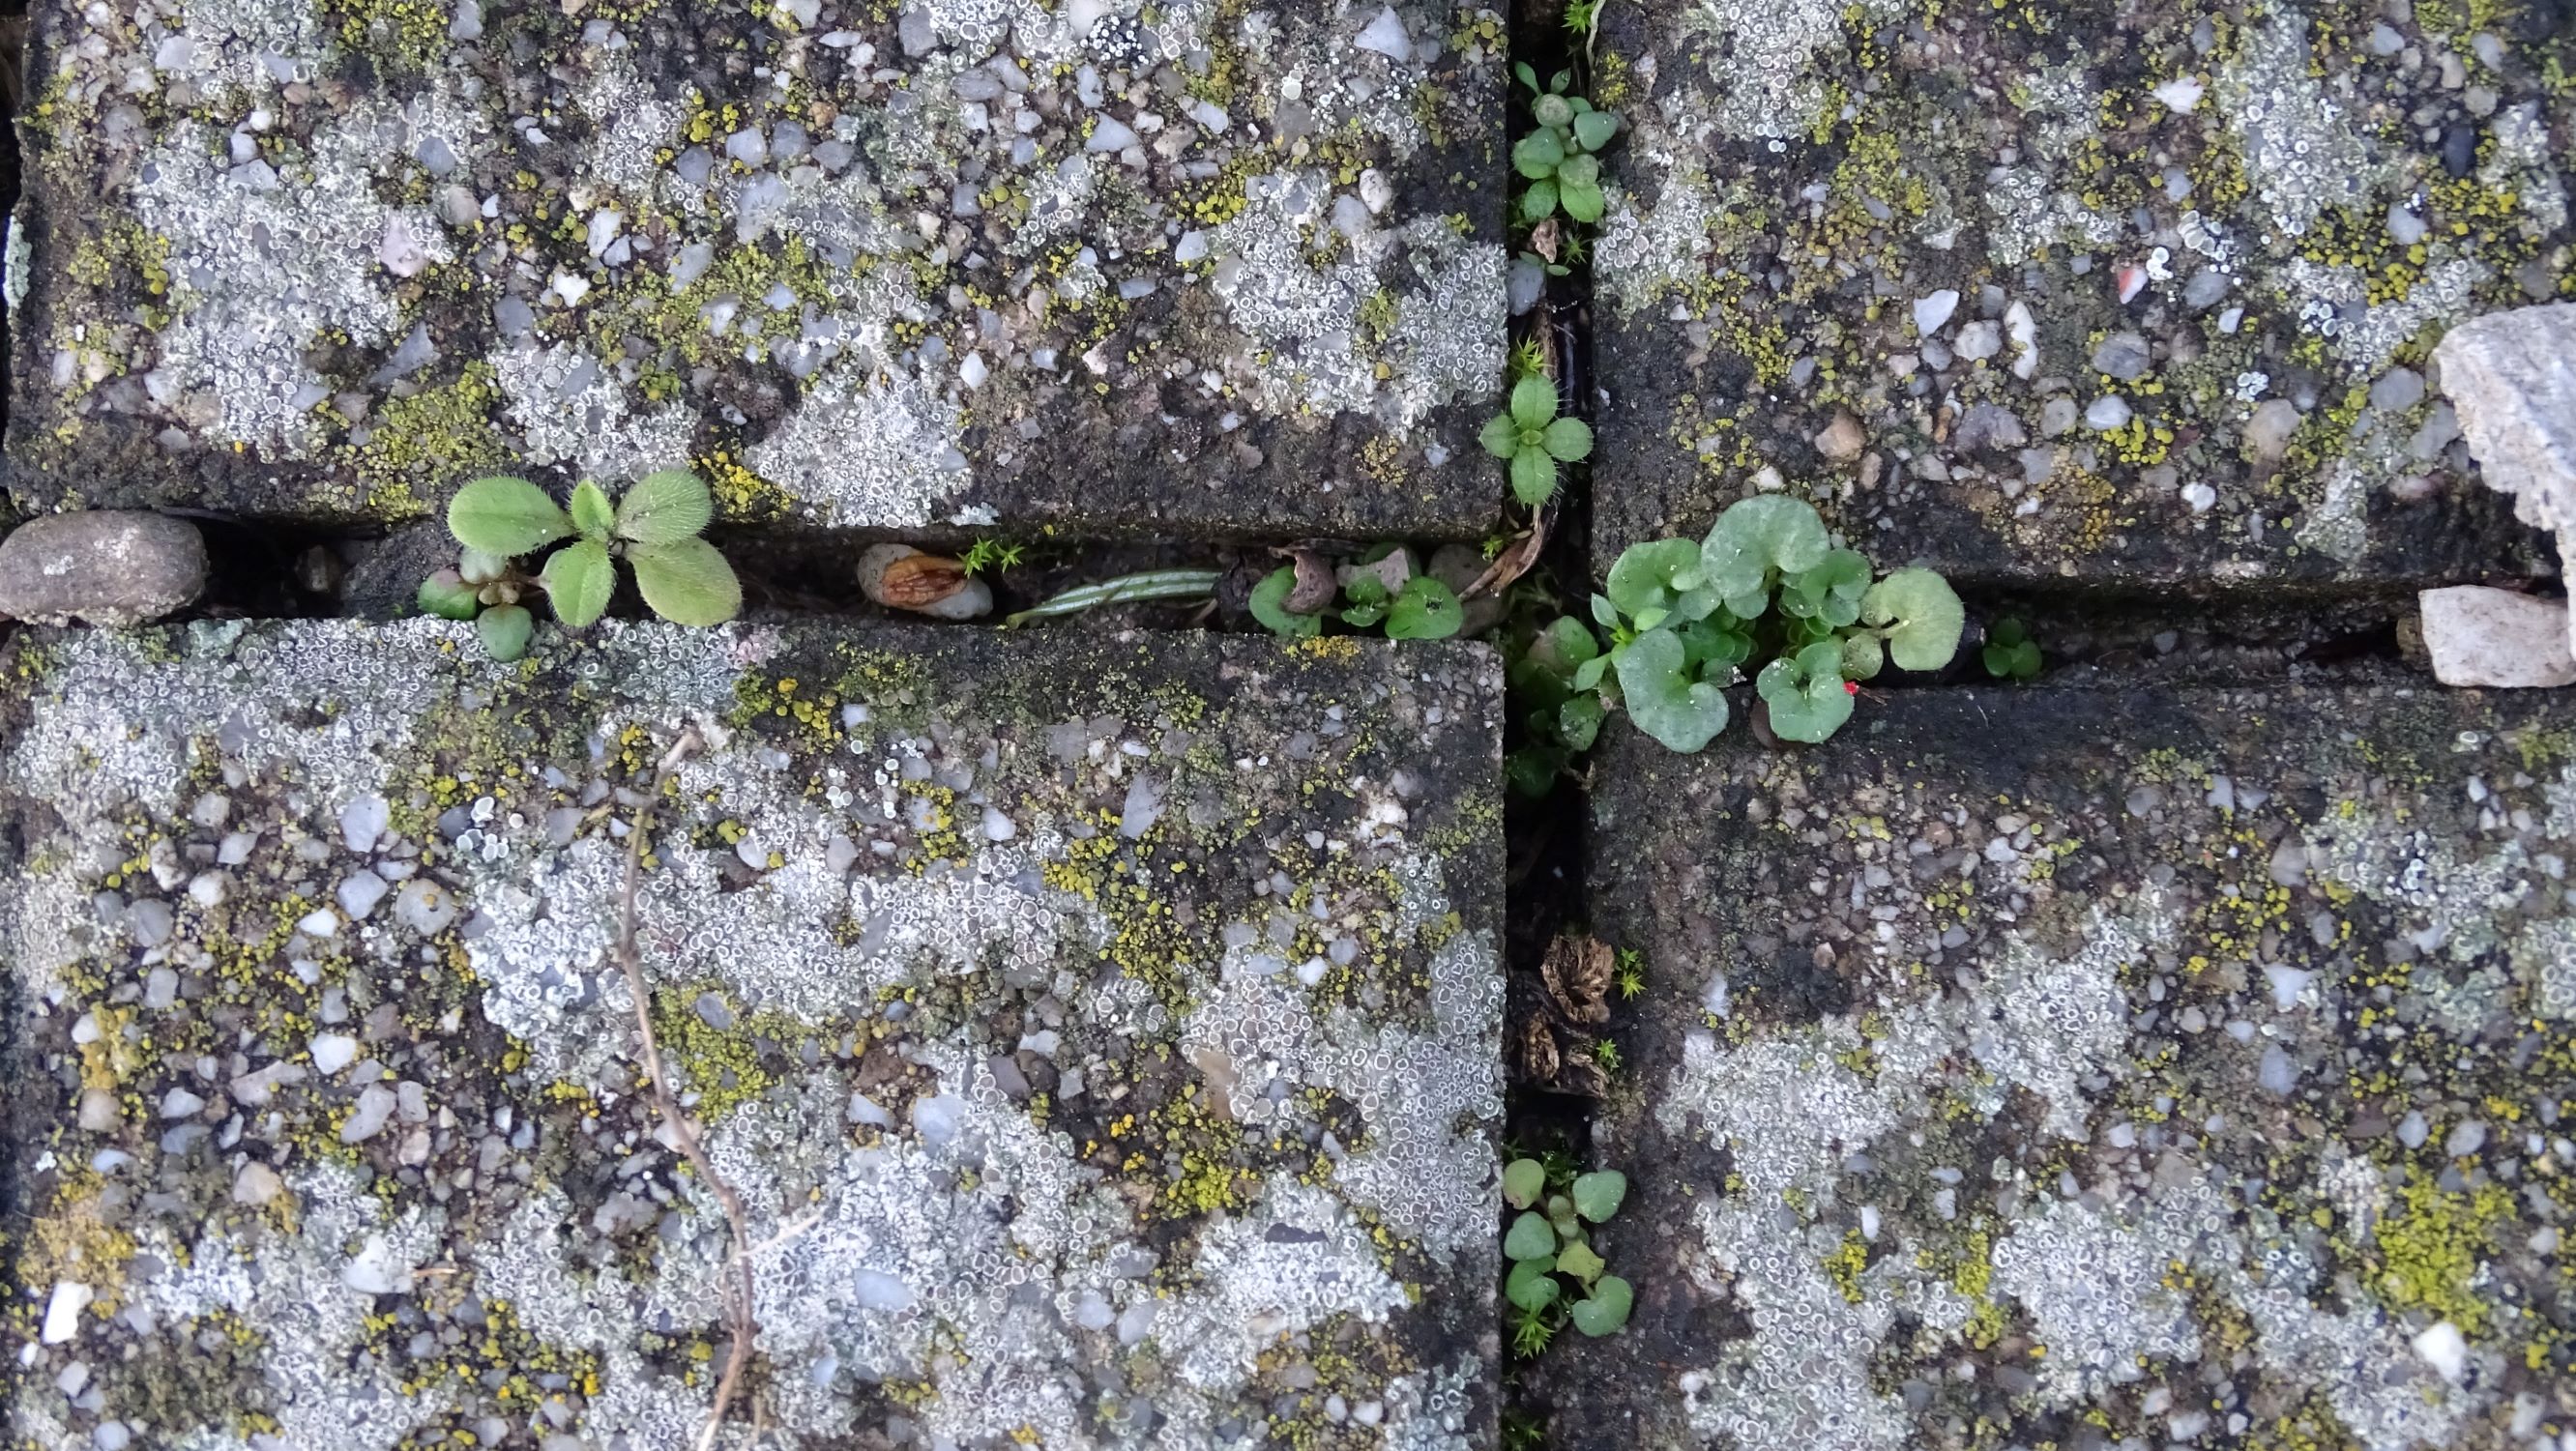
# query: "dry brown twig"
683,1128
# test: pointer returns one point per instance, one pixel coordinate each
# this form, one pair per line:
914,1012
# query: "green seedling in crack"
1556,1278
1560,159
1535,440
654,528
2010,653
1384,588
1685,619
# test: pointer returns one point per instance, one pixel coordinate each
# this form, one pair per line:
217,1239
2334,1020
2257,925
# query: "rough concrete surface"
1113,266
1102,1035
2128,295
2094,1068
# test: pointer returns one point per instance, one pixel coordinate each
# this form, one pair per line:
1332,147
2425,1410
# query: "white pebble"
333,1052
1933,310
360,891
62,1311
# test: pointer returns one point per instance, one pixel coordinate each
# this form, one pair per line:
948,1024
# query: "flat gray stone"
2167,1067
103,566
1107,266
2161,245
1101,1030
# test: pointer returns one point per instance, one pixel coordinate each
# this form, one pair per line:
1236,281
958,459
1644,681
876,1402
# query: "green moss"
408,35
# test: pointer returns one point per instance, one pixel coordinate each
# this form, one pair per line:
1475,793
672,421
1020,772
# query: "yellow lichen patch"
2429,1250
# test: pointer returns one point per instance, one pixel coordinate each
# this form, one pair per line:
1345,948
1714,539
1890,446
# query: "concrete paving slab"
1101,1032
2098,1068
1111,267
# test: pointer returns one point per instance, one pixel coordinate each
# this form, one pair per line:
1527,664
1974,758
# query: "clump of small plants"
1386,589
1556,1278
501,522
1561,158
2010,653
1766,592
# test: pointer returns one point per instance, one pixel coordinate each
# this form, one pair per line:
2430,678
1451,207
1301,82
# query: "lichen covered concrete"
1109,266
2035,292
1103,1037
2180,1066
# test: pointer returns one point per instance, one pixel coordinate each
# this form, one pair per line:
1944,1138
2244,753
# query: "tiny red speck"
1851,687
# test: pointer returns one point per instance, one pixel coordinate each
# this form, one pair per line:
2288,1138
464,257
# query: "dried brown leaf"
1538,1050
1577,971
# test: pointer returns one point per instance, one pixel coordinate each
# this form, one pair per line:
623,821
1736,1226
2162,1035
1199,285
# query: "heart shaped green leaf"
1605,1310
686,582
1532,1285
1593,129
579,579
1580,1261
1661,697
1425,609
1597,1195
1830,592
1660,574
1919,614
1754,538
665,508
505,516
1805,693
1862,657
1524,1180
1563,645
1538,154
1270,606
1529,1238
505,631
449,597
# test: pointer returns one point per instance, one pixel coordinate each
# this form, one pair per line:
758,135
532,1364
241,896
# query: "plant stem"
684,1129
1154,584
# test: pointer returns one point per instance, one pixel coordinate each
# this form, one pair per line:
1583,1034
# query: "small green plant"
1556,1277
654,528
1560,158
1384,588
1632,973
2010,653
1684,619
992,554
1531,435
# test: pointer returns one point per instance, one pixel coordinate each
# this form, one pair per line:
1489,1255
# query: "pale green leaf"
1862,657
1666,704
1659,574
1533,402
1568,439
1537,155
1605,1310
1538,202
1593,129
1533,477
505,631
1529,1238
579,579
1500,436
1581,1261
590,511
1270,606
665,508
1581,202
449,597
1754,536
1805,693
1532,1285
1524,1180
1920,615
686,582
1426,609
505,516
1597,1195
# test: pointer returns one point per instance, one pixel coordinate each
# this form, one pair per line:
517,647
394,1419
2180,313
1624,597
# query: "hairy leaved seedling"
654,528
1535,440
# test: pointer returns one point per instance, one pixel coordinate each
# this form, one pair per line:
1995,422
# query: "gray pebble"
103,566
